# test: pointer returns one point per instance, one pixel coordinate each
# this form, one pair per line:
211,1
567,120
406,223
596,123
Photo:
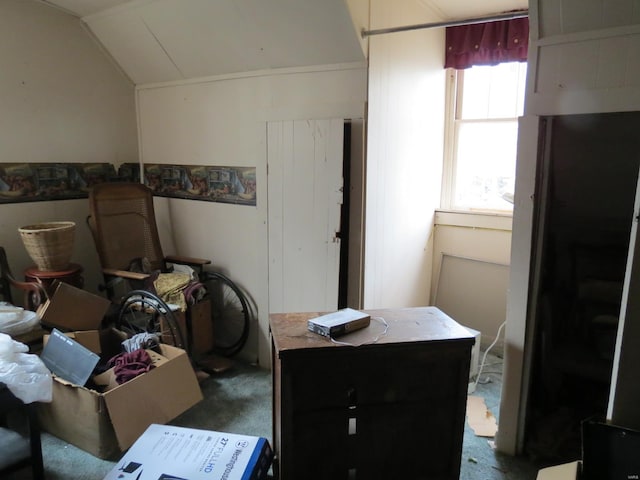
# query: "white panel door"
305,195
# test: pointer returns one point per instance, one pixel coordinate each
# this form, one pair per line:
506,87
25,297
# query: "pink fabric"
130,364
487,43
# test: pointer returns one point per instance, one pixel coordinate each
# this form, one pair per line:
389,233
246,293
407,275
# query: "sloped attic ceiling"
168,40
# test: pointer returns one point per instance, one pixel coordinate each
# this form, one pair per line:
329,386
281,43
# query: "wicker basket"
49,244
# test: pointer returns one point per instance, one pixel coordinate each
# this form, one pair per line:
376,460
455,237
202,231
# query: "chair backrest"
5,278
33,293
123,224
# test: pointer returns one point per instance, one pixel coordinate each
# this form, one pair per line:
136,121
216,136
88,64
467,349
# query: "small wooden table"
71,275
389,405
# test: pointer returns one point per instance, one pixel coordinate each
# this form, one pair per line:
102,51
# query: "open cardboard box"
73,309
105,424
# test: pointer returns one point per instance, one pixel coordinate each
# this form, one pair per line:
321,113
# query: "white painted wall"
583,57
482,243
62,101
223,121
404,155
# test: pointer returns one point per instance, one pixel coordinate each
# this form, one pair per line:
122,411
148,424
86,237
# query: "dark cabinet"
375,405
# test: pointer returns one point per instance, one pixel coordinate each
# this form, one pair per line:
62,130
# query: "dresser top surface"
388,326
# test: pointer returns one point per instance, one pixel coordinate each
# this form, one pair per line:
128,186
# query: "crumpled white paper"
16,320
23,373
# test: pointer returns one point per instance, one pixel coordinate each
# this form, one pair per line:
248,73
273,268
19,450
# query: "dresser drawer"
324,447
381,376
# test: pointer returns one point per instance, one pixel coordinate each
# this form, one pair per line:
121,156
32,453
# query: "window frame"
453,106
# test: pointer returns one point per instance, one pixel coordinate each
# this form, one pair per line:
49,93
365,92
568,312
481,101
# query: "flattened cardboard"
83,417
71,308
480,419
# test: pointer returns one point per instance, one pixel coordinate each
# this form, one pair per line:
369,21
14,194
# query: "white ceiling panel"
82,8
209,39
134,47
165,40
168,40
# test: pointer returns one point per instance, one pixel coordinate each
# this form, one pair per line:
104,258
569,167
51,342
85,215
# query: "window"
480,154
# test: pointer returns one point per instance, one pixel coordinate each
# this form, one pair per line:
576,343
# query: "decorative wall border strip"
235,185
35,182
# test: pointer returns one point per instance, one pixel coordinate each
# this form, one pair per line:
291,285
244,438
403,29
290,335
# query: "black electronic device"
609,452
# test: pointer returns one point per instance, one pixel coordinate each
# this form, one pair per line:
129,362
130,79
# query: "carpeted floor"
479,459
239,401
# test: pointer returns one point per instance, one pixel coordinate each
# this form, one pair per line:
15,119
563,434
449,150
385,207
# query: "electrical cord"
380,320
484,356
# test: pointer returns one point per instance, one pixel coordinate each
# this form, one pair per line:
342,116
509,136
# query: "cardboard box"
199,332
73,309
107,423
108,380
89,339
169,452
201,327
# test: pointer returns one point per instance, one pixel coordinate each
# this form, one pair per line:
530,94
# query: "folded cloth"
170,288
129,365
141,340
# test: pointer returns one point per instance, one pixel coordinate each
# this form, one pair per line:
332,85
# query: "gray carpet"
479,459
239,401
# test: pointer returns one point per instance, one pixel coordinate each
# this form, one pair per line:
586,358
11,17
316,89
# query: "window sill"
491,221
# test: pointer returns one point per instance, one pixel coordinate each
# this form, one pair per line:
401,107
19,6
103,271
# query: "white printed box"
165,452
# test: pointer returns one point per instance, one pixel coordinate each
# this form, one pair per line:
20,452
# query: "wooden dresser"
391,404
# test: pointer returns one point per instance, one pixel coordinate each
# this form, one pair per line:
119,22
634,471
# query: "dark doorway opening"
343,279
582,228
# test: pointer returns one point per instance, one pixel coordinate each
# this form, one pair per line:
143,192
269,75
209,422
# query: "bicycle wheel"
142,311
229,314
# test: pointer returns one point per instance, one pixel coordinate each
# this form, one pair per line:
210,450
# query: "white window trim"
449,157
484,220
448,166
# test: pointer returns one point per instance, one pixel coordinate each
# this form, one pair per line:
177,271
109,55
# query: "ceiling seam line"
162,47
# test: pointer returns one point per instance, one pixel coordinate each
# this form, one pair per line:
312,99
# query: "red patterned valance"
487,43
